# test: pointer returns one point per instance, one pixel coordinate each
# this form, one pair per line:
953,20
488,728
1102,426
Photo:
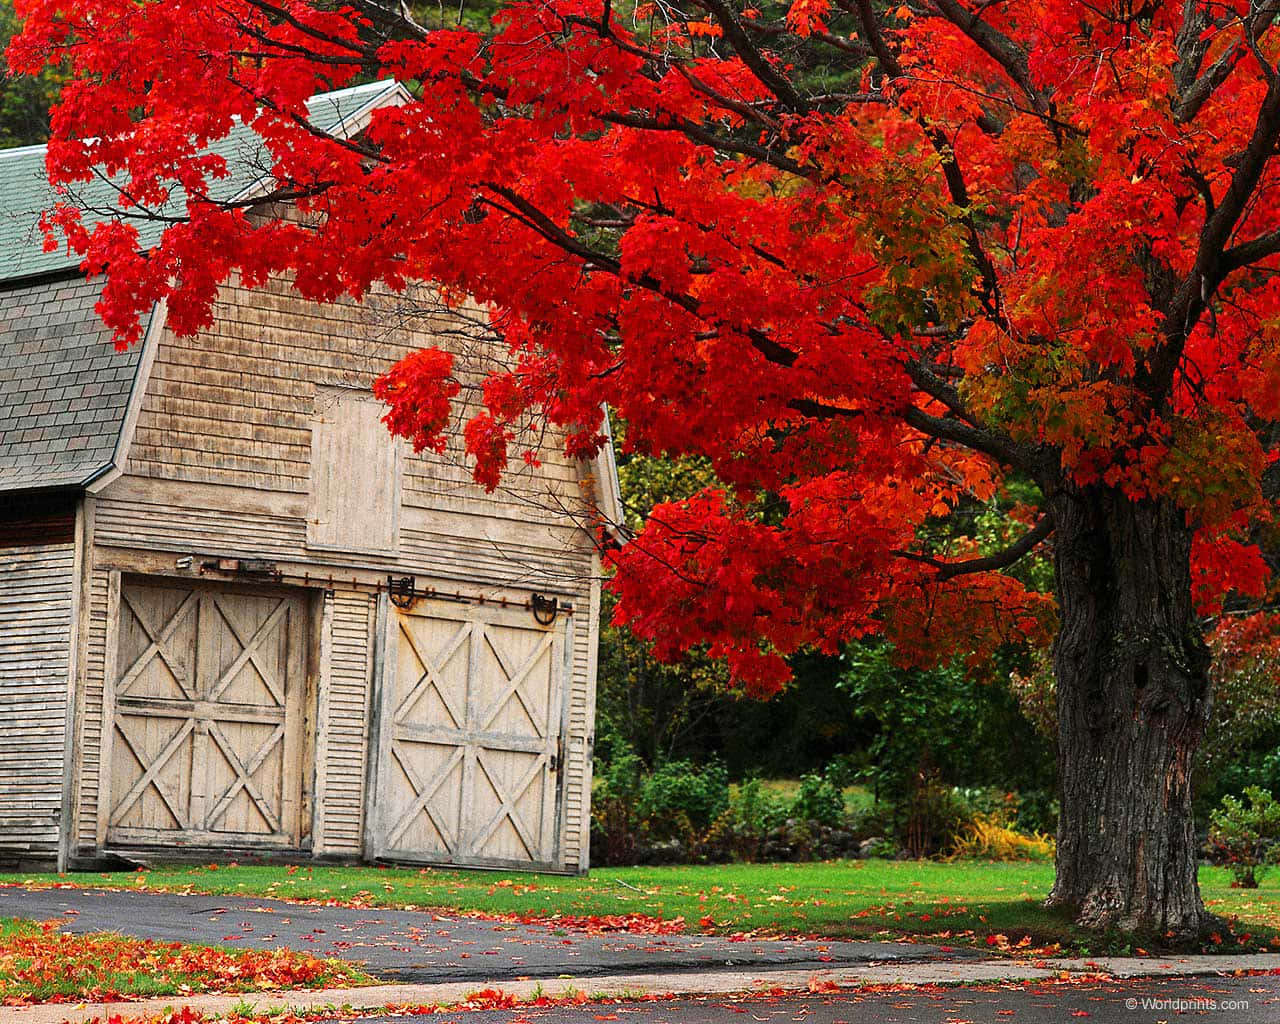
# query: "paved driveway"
422,947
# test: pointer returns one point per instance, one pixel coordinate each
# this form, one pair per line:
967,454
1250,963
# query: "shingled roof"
64,390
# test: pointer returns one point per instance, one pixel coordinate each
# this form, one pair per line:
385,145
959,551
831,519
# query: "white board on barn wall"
355,475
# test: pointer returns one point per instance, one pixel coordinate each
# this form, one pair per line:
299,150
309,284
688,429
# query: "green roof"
26,192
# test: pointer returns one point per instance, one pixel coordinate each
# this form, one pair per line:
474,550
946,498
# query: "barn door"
469,738
206,728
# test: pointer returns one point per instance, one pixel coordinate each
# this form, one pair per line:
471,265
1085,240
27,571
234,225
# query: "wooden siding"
234,406
36,587
90,693
221,467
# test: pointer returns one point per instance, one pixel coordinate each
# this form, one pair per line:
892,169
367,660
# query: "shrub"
1038,811
992,803
844,770
989,838
1246,839
928,817
740,832
818,800
615,819
680,800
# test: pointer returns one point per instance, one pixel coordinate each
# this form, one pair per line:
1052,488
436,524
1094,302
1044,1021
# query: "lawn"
40,963
960,903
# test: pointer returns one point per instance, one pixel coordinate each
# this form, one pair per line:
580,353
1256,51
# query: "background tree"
867,261
24,101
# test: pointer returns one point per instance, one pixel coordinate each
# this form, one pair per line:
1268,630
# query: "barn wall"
36,600
220,465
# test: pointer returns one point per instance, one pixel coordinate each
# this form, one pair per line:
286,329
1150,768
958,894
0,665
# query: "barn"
238,618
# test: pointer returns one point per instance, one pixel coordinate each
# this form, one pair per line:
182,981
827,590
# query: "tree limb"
1023,546
999,446
1005,52
753,58
1193,295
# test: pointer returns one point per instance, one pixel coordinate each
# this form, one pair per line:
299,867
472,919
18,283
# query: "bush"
1246,839
741,831
616,827
989,838
680,799
929,817
991,803
818,800
1038,811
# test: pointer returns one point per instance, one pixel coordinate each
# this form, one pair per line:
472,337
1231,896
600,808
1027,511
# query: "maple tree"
871,262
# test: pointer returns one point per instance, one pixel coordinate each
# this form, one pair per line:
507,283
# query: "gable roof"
64,390
25,189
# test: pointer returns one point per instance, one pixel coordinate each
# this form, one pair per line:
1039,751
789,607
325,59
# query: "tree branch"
999,446
1246,253
1193,46
1023,546
753,58
1211,267
1005,52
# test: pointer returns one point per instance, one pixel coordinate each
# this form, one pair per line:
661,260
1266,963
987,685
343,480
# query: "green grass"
960,903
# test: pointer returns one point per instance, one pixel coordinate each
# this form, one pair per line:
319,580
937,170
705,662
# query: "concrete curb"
711,983
1155,967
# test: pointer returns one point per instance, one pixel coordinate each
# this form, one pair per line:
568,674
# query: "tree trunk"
1133,701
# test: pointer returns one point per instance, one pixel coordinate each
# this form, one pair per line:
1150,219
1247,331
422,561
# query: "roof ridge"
12,151
381,85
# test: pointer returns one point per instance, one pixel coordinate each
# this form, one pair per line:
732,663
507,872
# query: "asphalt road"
421,947
1243,1000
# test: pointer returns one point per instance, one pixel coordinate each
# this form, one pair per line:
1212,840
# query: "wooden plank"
166,495
109,668
323,672
583,692
347,720
383,652
74,642
37,602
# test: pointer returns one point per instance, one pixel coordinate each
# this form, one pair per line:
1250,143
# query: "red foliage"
55,966
1033,235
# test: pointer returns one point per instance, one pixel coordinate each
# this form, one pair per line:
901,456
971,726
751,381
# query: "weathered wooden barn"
236,616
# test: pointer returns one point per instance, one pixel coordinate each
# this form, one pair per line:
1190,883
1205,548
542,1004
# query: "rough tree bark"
1133,701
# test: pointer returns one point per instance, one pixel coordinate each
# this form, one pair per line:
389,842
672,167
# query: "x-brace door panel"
206,728
470,738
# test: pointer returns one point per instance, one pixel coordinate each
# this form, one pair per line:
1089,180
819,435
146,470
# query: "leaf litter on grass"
914,901
39,963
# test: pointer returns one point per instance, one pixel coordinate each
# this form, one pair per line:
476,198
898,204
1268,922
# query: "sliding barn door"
207,718
469,738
